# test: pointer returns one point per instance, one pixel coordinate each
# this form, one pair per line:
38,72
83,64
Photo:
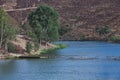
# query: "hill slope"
80,17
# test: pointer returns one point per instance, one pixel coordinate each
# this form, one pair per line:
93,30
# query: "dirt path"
21,9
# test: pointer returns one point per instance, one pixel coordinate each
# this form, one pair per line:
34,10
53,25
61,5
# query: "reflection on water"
7,67
80,61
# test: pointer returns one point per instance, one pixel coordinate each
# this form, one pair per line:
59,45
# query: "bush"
103,30
58,46
28,47
11,48
61,46
115,38
36,46
82,37
62,31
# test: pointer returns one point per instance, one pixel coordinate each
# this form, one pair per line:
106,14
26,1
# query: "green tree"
29,32
45,23
8,29
28,47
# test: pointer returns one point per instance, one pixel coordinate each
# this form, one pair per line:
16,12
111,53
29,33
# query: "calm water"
79,61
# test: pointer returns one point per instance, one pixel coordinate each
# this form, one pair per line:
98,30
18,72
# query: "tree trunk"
6,46
1,36
40,43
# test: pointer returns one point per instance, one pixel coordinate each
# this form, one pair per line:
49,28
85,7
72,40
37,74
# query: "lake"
88,60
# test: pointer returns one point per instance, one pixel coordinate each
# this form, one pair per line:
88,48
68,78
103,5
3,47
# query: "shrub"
63,30
11,48
61,46
82,37
115,38
28,47
36,46
103,30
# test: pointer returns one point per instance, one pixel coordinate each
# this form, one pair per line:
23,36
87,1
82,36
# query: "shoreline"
40,53
110,41
37,55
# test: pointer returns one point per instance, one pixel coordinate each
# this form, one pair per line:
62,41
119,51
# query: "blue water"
66,64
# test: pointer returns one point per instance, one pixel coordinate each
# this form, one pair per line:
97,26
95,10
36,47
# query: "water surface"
80,61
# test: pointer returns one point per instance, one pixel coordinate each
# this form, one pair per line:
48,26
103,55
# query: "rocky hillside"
80,17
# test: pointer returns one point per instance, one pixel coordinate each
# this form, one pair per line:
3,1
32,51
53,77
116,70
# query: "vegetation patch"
11,48
11,57
61,46
28,47
63,30
115,38
44,51
82,37
42,27
103,30
58,46
8,30
44,23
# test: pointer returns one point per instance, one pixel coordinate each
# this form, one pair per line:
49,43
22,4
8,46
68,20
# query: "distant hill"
79,17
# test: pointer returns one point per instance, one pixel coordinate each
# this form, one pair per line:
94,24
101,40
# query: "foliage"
62,31
11,47
8,29
103,30
29,32
28,47
82,37
47,50
11,57
45,23
11,32
26,27
61,46
114,38
58,46
36,46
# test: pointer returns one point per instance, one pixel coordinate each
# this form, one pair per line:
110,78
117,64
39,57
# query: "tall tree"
2,18
45,23
8,29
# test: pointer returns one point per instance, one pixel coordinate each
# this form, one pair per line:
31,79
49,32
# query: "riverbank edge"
39,55
111,41
58,46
